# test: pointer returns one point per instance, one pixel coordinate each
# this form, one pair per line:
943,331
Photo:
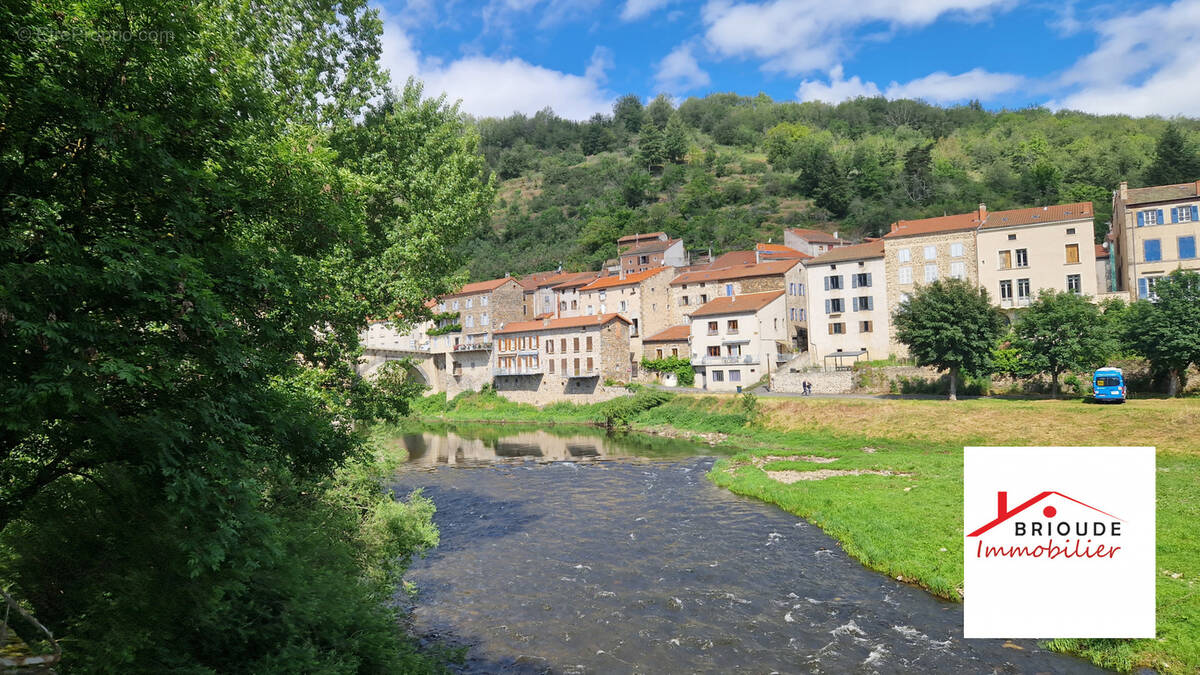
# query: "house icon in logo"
1049,511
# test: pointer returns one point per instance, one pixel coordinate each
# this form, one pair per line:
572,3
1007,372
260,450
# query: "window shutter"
1195,214
1160,217
1141,218
870,303
1142,292
853,281
854,303
868,278
827,306
827,283
1174,215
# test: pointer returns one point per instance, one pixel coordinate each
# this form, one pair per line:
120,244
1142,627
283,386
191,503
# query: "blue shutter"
870,303
868,278
827,305
1152,250
1141,218
1143,292
853,281
1187,248
1161,220
1195,213
1174,215
827,285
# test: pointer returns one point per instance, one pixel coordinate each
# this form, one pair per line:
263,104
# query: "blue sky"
576,56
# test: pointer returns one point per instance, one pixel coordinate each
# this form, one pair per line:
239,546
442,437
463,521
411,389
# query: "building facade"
640,297
693,289
848,305
1155,231
812,242
1024,251
562,356
642,252
735,340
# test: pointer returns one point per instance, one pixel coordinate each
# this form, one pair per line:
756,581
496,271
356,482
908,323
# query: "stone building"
640,297
1104,271
477,308
1154,232
664,344
641,252
737,339
848,305
543,360
566,293
693,289
812,242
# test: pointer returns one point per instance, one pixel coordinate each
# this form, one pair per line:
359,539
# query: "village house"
1104,270
736,340
693,289
812,242
547,358
1154,232
848,316
566,293
664,344
640,297
641,252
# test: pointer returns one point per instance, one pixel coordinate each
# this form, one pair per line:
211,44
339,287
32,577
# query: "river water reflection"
571,552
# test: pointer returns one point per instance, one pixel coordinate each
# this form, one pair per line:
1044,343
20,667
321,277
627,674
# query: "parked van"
1108,384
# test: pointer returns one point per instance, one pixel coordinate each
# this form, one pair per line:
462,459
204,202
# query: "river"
573,552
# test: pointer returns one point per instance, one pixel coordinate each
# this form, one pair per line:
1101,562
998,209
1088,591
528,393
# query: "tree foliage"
1062,331
198,220
1176,159
1167,330
950,325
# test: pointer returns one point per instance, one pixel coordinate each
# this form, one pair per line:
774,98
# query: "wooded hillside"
726,171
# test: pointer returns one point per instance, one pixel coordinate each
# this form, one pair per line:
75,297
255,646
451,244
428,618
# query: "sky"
577,56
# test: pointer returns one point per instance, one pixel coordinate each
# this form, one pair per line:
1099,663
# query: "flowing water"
577,553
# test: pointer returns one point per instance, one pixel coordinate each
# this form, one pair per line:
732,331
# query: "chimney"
1125,190
982,212
835,234
895,226
1001,504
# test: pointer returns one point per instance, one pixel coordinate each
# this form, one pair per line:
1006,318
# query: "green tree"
196,228
1062,331
597,136
833,191
1040,184
1167,330
1175,159
659,111
651,152
675,140
950,325
628,113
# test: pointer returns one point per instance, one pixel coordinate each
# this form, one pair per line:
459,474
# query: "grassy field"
909,524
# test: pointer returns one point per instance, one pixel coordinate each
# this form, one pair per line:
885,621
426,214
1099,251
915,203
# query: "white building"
735,340
848,309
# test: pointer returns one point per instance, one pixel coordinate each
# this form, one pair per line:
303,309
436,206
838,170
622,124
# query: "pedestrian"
804,388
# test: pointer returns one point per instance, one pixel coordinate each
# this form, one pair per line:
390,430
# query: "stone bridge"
423,365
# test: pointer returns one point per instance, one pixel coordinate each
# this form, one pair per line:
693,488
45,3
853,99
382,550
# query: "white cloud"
837,89
1146,63
942,87
636,9
798,36
498,87
679,71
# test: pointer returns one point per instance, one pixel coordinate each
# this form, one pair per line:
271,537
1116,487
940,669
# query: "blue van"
1108,384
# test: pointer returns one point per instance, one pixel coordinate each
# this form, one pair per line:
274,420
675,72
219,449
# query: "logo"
1058,542
1061,518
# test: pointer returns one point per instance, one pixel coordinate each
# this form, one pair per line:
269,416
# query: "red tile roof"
575,280
866,251
778,252
765,269
568,322
480,287
738,304
733,258
1163,193
1101,252
653,246
672,334
641,237
991,219
628,280
815,236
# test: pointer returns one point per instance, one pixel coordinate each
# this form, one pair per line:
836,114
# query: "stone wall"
916,245
476,371
823,382
535,390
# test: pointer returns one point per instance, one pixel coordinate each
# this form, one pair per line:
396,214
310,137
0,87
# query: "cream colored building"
1025,251
691,290
735,340
848,315
1155,231
561,356
640,297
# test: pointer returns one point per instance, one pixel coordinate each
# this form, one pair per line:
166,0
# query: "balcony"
502,372
473,347
725,360
583,373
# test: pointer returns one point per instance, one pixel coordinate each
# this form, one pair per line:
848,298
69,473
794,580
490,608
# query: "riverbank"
890,487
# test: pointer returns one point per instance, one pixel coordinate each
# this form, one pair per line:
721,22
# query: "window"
731,326
733,350
1184,214
442,307
791,288
1070,230
1152,250
1146,288
1073,284
714,350
589,343
1187,248
454,306
792,313
861,280
835,306
1006,290
1023,289
550,346
833,283
574,304
865,326
712,327
837,329
1072,253
735,376
576,366
563,366
483,320
658,353
589,364
957,250
470,321
1012,237
905,275
703,298
590,311
1022,257
903,298
674,351
801,314
904,255
683,301
603,295
551,364
576,344
470,301
931,252
1006,260
718,376
643,259
728,290
1147,218
563,344
800,288
958,270
621,305
863,303
931,273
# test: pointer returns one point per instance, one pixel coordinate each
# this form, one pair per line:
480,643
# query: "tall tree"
651,152
659,111
950,325
675,140
597,137
1062,331
628,113
1175,159
1167,330
187,261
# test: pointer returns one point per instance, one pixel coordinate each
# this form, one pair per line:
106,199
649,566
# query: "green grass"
900,524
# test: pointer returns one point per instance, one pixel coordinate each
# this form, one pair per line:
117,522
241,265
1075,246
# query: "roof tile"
738,304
